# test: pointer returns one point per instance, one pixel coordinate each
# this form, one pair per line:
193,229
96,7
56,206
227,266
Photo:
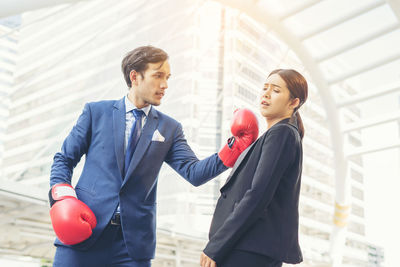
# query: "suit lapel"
119,132
143,143
238,163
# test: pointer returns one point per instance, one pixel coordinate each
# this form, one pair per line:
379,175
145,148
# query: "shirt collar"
129,106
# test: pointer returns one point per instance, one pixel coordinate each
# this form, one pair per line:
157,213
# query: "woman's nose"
267,93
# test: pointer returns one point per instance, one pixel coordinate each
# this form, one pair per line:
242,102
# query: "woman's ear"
294,103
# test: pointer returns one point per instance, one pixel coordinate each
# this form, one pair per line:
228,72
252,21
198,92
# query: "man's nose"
164,84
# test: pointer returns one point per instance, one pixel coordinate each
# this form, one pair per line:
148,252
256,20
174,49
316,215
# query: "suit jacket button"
223,195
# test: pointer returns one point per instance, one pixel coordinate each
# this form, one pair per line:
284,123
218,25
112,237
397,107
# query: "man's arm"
244,128
183,160
75,145
72,219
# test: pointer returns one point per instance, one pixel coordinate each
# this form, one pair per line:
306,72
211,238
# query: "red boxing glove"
72,219
244,128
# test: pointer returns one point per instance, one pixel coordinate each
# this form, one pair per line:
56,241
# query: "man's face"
150,89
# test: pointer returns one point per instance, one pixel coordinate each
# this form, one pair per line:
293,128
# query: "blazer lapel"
292,122
238,163
143,143
119,132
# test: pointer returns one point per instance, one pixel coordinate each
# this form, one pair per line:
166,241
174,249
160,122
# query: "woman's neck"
272,121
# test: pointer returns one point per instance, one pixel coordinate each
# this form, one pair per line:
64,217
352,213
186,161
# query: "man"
109,219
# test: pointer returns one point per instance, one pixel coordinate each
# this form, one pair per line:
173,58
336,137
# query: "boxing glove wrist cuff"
59,192
228,155
231,141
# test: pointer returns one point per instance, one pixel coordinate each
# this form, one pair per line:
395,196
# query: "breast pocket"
159,149
159,143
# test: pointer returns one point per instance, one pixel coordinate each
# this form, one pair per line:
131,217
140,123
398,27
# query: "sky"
382,200
382,179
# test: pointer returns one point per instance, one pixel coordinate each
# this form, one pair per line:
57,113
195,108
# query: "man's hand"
206,261
72,220
244,128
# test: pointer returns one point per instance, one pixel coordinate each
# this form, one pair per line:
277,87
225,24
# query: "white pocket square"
157,137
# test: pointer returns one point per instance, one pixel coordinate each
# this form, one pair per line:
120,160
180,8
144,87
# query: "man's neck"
135,101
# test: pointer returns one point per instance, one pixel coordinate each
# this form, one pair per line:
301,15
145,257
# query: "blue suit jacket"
258,207
99,134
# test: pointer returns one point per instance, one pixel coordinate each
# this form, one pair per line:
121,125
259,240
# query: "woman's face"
276,102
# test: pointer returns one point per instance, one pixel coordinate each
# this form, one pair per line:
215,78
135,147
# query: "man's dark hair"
139,58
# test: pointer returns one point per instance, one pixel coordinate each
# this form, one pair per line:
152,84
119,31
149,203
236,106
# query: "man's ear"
133,75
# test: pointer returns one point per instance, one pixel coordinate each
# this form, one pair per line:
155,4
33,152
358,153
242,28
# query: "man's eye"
276,91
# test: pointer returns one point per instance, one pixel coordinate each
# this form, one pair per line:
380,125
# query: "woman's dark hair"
138,59
298,88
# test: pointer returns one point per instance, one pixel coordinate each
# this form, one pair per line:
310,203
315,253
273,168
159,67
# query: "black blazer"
258,207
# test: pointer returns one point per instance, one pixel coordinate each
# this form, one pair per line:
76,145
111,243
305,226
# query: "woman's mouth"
265,103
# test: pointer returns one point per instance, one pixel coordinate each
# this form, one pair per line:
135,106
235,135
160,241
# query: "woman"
255,222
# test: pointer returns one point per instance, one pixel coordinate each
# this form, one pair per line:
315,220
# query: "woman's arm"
277,154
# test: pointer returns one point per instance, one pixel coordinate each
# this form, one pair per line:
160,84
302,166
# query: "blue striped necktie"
134,137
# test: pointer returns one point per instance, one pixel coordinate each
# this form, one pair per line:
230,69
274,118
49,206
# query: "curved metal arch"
395,6
10,8
341,181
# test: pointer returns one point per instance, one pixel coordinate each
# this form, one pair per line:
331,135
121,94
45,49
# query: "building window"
246,94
